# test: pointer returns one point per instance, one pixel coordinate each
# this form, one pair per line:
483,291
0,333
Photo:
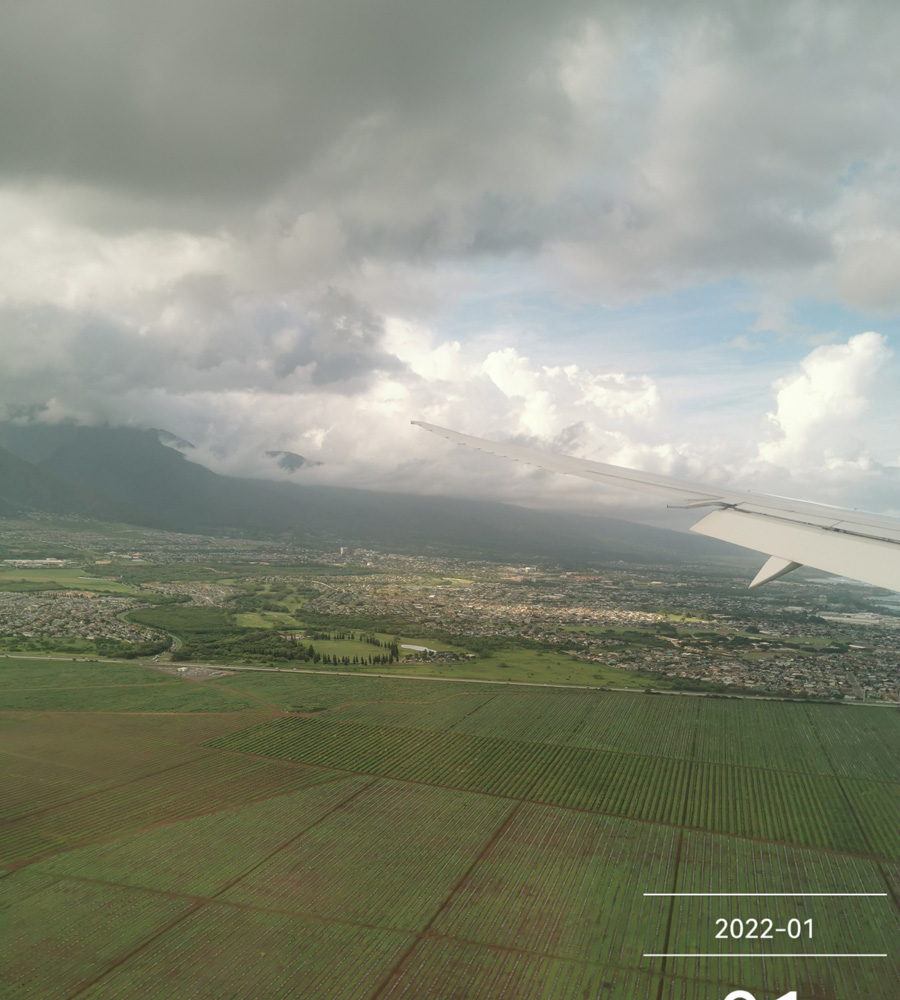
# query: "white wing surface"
793,533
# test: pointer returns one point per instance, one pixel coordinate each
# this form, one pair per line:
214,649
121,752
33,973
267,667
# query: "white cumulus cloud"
817,407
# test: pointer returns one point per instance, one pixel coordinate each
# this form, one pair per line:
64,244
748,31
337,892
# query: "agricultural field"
270,835
448,969
49,758
781,805
99,806
334,873
566,884
712,863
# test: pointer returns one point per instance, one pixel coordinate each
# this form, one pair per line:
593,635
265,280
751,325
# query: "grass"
175,696
510,665
538,667
266,619
30,673
66,578
310,692
183,619
64,646
58,685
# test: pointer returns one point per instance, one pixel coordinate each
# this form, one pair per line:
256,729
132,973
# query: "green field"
394,838
64,578
59,685
266,619
537,667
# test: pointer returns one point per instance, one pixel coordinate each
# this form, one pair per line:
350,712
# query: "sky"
661,233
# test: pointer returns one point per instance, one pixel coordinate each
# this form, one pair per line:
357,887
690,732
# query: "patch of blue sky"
848,177
705,346
659,335
834,321
514,298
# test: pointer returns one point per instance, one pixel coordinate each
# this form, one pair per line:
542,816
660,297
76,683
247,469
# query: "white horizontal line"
786,954
765,893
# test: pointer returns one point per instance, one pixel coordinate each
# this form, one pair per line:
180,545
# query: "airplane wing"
792,533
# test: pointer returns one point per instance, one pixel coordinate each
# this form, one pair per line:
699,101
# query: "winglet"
774,568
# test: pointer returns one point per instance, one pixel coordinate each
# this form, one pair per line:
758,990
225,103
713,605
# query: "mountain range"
129,475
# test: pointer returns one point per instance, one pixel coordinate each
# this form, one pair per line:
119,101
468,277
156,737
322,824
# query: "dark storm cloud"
227,99
675,141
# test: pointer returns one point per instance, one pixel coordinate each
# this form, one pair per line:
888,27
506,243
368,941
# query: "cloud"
227,101
868,271
641,148
817,408
249,223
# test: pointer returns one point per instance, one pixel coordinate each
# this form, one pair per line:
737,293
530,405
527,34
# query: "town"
694,625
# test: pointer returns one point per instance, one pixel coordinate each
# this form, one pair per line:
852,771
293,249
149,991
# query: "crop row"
877,808
428,711
592,720
193,788
567,885
713,864
535,717
107,745
388,857
28,785
645,787
203,855
747,733
859,743
768,734
796,808
800,809
223,951
444,970
49,760
64,933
